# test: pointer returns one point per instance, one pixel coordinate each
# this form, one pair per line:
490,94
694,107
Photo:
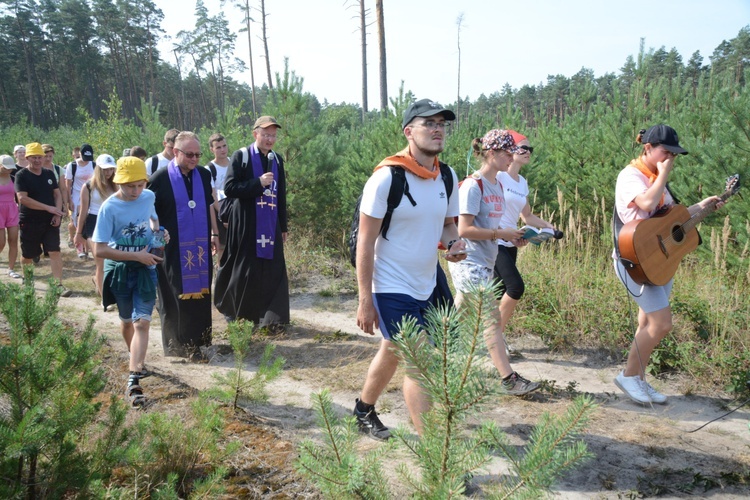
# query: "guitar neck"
703,212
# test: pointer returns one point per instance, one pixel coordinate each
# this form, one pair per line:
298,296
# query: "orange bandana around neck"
406,160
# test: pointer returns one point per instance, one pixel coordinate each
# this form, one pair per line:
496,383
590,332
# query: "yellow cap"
130,169
34,149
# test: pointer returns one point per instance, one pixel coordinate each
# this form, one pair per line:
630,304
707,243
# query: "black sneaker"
370,424
516,385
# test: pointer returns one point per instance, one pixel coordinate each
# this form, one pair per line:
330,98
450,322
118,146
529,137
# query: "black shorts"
88,226
38,236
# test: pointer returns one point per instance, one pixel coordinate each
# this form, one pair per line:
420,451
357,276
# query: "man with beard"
251,282
397,275
183,205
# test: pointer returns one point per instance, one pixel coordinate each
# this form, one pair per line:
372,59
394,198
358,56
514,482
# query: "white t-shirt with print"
516,196
406,262
83,174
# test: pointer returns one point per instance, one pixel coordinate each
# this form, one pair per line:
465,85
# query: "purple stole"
266,213
192,228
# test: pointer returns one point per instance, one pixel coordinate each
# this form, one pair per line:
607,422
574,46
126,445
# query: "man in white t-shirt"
397,275
76,175
162,159
218,168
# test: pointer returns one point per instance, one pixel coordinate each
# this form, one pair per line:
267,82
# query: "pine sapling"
336,466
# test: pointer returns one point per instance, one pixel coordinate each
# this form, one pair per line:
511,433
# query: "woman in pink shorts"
9,213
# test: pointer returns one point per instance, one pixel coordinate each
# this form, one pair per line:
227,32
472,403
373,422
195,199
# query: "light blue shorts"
650,298
130,304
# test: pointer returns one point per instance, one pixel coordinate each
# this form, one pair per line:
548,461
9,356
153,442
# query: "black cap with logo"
664,135
425,108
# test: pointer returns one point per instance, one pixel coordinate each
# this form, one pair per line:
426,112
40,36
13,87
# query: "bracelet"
214,234
494,234
450,244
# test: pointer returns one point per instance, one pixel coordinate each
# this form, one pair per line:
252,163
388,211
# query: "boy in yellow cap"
124,230
40,213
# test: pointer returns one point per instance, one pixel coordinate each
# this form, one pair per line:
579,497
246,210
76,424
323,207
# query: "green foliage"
234,386
167,452
451,373
49,377
554,447
109,135
451,448
338,467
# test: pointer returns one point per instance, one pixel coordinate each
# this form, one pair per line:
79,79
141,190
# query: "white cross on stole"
263,240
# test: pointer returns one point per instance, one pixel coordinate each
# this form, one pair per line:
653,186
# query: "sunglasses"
190,155
530,149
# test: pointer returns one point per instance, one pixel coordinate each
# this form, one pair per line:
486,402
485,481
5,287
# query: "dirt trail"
637,449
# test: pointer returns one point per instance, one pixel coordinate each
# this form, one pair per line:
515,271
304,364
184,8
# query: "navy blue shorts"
392,308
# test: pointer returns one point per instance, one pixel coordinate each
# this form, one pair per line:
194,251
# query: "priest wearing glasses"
251,282
183,203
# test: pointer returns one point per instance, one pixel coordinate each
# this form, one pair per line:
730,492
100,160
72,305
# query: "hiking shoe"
516,385
64,292
370,424
82,255
633,387
135,397
655,396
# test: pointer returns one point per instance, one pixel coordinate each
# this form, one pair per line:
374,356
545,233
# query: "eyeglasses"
190,155
433,125
268,137
530,149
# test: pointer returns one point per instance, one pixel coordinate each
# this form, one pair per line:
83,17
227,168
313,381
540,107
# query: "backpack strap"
245,156
154,164
73,166
447,176
399,189
212,168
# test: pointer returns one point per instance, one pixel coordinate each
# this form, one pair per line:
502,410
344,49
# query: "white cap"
8,162
20,146
106,161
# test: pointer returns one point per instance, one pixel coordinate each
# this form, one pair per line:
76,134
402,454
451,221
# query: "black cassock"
248,287
185,324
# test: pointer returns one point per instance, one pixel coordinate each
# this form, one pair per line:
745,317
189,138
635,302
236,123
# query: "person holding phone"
481,206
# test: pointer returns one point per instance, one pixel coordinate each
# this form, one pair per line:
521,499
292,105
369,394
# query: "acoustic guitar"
653,248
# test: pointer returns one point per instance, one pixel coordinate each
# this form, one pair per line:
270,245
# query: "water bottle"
156,246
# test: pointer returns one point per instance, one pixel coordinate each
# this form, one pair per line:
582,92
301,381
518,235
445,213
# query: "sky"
501,42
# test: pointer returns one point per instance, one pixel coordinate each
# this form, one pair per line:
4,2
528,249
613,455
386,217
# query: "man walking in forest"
252,282
183,205
162,159
40,213
397,275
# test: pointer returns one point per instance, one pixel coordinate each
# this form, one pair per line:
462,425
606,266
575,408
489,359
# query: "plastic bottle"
156,246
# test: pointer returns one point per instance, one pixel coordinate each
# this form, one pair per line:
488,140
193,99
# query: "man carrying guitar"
641,193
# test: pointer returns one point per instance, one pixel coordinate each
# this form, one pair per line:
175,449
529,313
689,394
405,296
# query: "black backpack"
399,188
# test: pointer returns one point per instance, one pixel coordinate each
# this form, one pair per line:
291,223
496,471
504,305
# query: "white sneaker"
656,396
633,387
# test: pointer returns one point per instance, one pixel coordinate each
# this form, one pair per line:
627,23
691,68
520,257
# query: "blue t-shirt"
124,225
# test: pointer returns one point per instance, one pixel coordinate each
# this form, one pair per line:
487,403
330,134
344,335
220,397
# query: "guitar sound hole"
678,235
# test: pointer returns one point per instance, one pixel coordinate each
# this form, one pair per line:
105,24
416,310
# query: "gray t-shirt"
487,206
